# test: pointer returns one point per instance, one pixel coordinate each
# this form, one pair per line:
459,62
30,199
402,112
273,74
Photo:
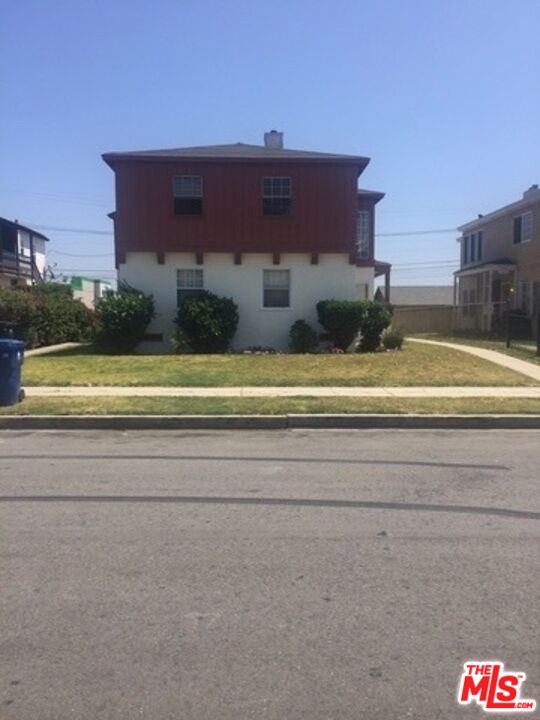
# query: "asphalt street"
313,575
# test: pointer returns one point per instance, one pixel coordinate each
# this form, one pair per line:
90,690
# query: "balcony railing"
16,265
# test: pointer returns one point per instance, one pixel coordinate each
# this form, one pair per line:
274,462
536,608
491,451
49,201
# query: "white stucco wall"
333,277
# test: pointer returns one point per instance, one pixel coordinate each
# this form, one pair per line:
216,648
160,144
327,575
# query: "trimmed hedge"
377,317
302,337
347,320
123,317
341,319
207,322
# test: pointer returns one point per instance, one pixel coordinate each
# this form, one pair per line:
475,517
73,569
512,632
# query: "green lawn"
416,364
521,349
267,406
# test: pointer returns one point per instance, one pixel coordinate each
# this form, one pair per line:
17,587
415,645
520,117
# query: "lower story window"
276,288
189,283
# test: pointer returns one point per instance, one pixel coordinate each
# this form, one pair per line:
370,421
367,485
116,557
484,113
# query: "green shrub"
179,342
17,309
393,339
58,317
377,317
123,317
342,320
46,314
302,337
208,322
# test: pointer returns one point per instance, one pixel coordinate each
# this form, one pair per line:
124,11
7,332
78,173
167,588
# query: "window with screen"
362,233
276,196
276,288
187,194
189,283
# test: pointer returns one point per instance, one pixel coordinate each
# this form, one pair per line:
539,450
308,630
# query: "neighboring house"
500,264
275,229
22,254
418,295
89,290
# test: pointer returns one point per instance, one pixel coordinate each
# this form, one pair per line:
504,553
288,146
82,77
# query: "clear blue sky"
443,95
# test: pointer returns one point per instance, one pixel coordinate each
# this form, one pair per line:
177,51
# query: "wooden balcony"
18,267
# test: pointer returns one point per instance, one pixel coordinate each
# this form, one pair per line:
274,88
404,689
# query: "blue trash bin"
11,360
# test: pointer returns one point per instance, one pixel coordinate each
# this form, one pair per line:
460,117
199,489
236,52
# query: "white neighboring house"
275,229
89,290
22,254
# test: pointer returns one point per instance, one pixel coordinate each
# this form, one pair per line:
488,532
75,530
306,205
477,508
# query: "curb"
268,422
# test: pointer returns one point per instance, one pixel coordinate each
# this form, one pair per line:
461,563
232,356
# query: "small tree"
123,317
303,338
377,318
341,319
208,322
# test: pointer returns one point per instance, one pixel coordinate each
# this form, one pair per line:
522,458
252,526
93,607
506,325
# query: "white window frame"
194,286
277,187
182,189
529,216
363,234
529,226
289,288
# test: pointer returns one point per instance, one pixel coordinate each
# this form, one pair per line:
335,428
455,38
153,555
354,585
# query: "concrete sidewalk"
521,366
297,391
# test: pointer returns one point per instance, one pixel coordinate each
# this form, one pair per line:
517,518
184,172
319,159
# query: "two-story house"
273,228
22,254
500,265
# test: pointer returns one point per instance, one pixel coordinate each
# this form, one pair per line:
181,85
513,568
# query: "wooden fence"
424,319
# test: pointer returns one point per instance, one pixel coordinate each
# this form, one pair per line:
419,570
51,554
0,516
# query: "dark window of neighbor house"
188,194
465,250
189,283
479,245
472,249
276,288
276,196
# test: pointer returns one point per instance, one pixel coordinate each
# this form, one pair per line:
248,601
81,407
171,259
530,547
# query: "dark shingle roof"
235,151
18,226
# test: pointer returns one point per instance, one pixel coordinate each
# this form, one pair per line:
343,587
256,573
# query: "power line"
438,231
93,255
87,231
79,231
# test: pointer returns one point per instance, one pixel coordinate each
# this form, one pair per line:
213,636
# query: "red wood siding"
323,217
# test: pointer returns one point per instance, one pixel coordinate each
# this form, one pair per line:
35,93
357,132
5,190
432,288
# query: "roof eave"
111,159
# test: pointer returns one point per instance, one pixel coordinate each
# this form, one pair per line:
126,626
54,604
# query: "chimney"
531,192
273,140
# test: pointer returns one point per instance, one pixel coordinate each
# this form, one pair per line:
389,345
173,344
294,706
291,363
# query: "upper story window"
276,288
276,193
523,225
472,247
189,283
363,233
188,194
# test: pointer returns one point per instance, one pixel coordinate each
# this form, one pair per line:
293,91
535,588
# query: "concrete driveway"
280,575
